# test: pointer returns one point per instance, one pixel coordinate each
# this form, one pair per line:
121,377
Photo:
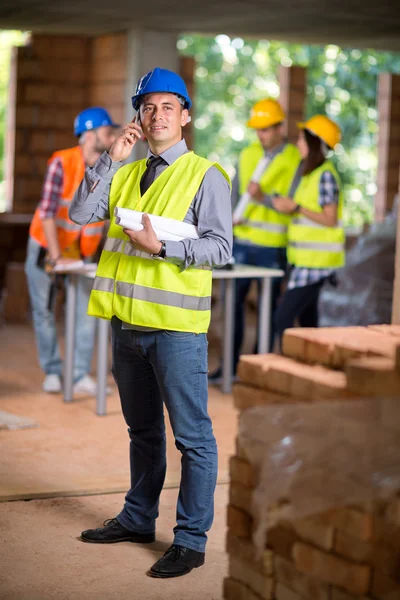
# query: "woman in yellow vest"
315,236
56,240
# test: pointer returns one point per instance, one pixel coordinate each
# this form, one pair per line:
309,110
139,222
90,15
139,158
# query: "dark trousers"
258,256
298,303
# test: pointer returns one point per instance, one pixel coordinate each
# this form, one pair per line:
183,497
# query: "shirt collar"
275,151
171,154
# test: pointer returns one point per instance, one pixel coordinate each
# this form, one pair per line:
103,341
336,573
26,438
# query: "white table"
229,276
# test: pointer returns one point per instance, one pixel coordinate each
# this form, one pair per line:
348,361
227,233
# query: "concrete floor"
42,559
75,453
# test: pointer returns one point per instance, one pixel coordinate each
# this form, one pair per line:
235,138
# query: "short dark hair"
315,156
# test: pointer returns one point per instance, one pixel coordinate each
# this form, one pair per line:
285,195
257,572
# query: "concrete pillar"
388,143
292,84
146,50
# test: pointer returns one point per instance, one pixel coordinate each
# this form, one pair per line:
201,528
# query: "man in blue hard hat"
55,240
157,294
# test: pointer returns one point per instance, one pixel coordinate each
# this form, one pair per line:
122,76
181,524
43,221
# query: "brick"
384,587
352,577
110,70
306,587
351,521
315,530
386,533
43,142
307,382
259,584
334,346
235,590
281,540
386,329
239,523
242,472
105,47
253,369
373,377
40,93
100,93
240,497
244,550
371,553
337,594
284,593
56,118
246,396
61,47
26,115
15,294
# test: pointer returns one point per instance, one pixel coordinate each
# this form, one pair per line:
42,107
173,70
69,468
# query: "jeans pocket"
179,334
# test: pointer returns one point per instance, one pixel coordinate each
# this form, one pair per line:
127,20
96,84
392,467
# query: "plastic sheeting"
312,458
365,285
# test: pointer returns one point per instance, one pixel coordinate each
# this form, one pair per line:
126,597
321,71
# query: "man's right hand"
122,147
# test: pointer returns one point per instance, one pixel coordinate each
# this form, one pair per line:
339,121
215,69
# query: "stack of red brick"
349,552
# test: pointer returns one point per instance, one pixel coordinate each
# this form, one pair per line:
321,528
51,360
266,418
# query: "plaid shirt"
302,276
52,189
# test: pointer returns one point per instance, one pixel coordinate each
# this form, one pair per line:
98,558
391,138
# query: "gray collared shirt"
210,210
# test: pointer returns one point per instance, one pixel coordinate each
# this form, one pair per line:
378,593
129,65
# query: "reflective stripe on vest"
324,246
67,225
312,245
272,227
124,246
141,289
139,292
262,225
310,223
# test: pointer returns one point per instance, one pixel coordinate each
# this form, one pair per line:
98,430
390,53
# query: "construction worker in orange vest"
55,240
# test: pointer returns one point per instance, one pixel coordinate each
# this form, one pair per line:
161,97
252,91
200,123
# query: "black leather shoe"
177,561
114,532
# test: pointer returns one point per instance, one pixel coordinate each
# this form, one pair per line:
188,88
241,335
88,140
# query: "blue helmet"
161,80
91,118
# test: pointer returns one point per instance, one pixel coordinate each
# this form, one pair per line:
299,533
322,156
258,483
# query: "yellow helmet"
324,128
266,113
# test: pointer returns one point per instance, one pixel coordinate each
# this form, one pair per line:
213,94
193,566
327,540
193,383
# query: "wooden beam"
396,286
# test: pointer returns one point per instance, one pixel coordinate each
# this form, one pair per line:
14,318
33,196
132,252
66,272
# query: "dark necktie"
150,173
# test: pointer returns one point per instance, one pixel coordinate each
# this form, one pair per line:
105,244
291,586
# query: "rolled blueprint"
176,230
245,197
160,233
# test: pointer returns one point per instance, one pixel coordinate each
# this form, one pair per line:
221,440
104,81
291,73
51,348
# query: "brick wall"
108,74
388,143
56,78
51,87
292,84
187,69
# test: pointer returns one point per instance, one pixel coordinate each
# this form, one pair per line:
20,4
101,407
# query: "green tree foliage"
232,74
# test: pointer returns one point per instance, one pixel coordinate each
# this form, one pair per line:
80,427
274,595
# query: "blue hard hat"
91,118
161,80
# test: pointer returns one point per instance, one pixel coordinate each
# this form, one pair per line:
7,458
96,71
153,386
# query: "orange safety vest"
69,233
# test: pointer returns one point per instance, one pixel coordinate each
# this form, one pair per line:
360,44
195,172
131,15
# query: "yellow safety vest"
132,285
311,245
264,226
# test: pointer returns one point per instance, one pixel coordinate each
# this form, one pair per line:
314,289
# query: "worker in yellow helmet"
315,235
260,234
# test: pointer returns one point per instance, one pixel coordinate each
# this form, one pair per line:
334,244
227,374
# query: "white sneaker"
52,384
87,385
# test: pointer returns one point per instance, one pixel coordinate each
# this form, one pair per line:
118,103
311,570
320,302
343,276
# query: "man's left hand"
145,240
283,205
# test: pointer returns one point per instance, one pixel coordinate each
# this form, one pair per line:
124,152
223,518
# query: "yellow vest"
132,285
311,245
264,226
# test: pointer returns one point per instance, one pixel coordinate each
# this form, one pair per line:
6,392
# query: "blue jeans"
258,256
39,283
152,369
